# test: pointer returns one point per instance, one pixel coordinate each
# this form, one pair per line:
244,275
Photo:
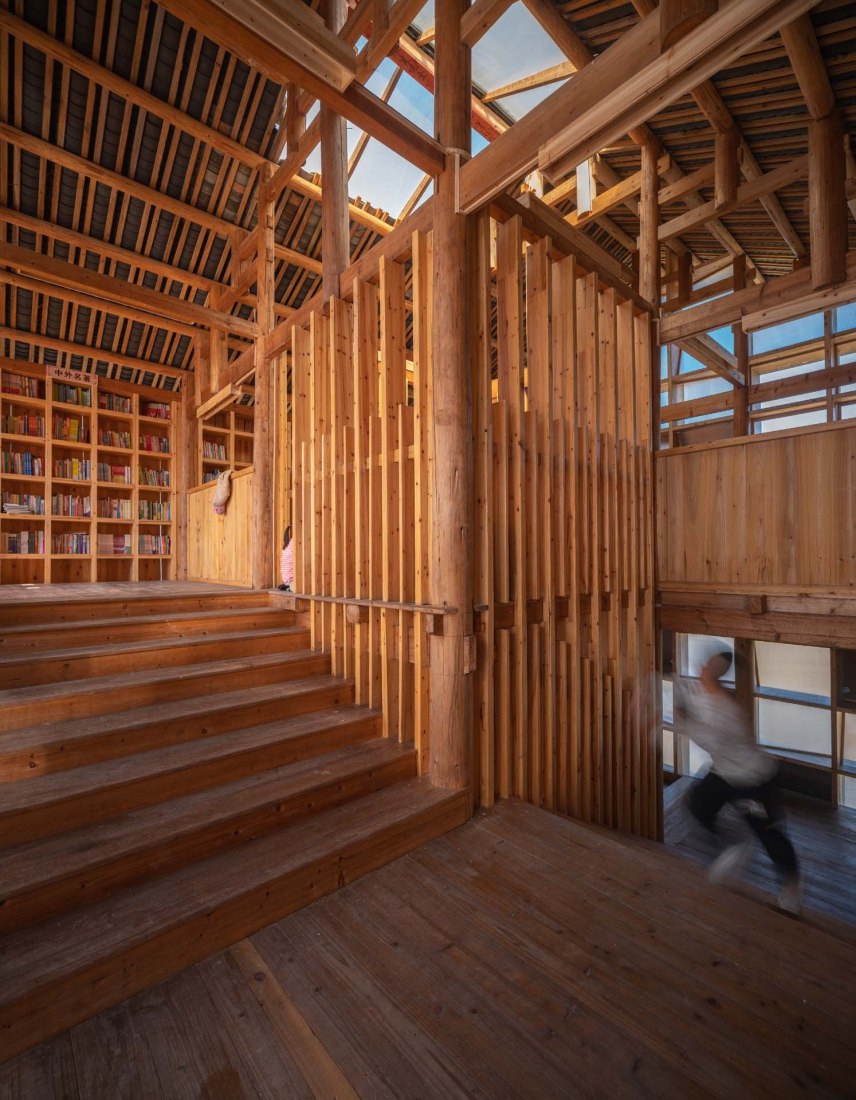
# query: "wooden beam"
746,193
536,80
396,22
298,153
827,201
112,290
726,169
691,182
452,469
263,439
53,154
649,219
625,85
714,356
804,54
562,33
780,299
135,260
96,355
679,17
615,196
265,51
480,17
300,36
106,78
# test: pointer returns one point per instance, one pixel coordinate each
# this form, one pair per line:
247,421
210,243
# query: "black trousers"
760,808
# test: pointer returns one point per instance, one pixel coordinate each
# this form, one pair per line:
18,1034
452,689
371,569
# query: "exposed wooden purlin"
307,46
714,109
617,92
412,202
537,80
561,32
394,23
782,298
137,261
359,106
95,354
713,355
298,152
480,17
747,192
52,154
363,140
151,306
133,93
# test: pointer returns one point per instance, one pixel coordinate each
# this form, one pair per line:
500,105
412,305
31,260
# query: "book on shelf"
158,444
71,542
160,510
69,429
72,395
73,469
116,475
113,544
24,424
64,504
157,478
154,544
19,385
114,402
159,410
109,438
23,504
22,542
115,508
216,451
23,462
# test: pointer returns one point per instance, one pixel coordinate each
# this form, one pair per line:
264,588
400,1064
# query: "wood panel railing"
564,548
360,487
219,548
767,510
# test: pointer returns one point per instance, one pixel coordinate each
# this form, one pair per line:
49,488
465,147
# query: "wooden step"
52,875
140,628
62,665
62,971
78,796
35,751
102,694
156,600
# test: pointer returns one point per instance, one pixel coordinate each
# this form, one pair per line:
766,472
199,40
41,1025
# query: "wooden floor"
824,839
518,956
13,595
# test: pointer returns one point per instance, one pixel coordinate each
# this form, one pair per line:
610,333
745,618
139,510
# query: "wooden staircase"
160,800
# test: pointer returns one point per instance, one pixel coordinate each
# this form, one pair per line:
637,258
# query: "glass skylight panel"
384,179
414,102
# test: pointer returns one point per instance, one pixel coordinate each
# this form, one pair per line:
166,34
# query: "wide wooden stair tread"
99,694
77,964
53,635
174,775
87,861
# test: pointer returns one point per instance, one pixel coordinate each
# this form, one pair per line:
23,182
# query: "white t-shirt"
717,724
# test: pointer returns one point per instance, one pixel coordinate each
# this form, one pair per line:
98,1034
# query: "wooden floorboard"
15,594
520,955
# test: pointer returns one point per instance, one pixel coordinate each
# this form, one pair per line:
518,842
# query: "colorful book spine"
20,386
112,545
71,542
115,508
74,469
22,542
157,409
63,504
109,438
23,462
116,475
158,444
26,502
114,402
24,424
72,395
155,510
154,544
158,478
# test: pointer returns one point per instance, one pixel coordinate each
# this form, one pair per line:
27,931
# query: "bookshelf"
87,482
225,442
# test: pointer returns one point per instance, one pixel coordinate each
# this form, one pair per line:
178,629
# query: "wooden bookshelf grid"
225,442
86,479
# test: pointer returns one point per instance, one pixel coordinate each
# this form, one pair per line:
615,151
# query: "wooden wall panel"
219,548
770,511
564,706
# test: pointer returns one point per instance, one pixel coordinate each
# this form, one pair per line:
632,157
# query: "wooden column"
335,227
827,201
726,167
263,533
187,471
679,17
649,221
451,579
741,354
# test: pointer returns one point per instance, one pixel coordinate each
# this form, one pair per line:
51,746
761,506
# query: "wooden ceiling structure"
132,145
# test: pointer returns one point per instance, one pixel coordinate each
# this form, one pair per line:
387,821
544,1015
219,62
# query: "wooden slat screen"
564,706
361,458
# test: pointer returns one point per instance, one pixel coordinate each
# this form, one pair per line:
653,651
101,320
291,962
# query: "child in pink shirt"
286,562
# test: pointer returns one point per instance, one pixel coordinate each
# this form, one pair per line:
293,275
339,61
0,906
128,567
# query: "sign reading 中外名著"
69,375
